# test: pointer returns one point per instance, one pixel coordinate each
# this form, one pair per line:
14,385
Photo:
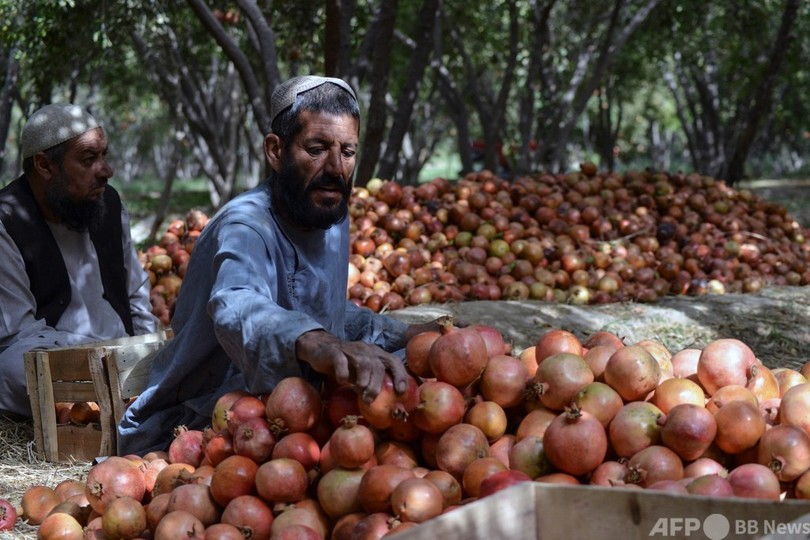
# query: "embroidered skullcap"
54,124
284,95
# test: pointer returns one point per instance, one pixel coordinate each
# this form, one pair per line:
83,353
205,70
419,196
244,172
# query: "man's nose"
335,165
106,169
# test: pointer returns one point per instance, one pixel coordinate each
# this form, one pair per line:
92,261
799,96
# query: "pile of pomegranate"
583,237
475,419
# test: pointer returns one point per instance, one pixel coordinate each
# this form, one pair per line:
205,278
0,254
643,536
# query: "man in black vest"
69,272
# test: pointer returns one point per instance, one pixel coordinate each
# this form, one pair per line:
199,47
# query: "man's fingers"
398,373
341,367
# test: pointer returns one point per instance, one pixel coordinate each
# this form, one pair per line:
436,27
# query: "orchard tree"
724,78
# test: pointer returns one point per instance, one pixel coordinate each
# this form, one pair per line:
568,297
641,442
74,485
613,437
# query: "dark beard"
294,198
80,216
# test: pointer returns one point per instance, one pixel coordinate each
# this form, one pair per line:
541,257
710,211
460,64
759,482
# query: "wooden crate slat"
74,391
72,365
97,361
32,383
79,443
132,368
47,410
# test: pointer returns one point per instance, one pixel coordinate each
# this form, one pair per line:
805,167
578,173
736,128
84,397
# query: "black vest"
44,265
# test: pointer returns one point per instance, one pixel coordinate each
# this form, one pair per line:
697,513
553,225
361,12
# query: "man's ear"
43,165
273,151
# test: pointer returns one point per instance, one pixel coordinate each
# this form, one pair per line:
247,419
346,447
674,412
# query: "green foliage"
83,50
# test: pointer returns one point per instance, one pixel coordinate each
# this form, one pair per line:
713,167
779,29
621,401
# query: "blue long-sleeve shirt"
254,284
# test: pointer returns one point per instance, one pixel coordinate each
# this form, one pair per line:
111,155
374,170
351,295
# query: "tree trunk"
240,60
761,105
416,70
10,77
167,176
376,114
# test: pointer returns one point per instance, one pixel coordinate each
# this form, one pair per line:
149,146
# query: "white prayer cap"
54,124
284,95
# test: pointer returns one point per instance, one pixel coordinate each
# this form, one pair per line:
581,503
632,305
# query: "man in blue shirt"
264,295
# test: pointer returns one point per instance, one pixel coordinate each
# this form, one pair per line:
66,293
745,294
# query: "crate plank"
536,511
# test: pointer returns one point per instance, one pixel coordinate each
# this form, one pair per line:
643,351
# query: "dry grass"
21,468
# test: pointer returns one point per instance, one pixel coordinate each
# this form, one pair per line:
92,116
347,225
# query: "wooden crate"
83,373
537,511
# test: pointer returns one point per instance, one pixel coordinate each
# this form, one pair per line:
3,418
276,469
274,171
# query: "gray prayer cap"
284,95
54,124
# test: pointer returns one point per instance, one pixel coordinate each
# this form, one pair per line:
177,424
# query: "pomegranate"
793,409
249,514
459,446
711,485
37,502
600,400
635,426
441,405
417,350
294,405
416,500
688,430
377,484
633,372
489,417
559,378
179,524
723,362
60,525
501,480
504,380
113,478
449,487
672,392
785,449
339,491
124,518
281,480
195,499
653,464
556,341
756,481
233,477
575,442
351,444
388,405
458,356
8,515
787,378
254,438
740,424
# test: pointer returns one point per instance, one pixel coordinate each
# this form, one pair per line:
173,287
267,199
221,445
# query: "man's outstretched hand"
354,362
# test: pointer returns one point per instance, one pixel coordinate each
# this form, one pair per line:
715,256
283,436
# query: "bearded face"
300,202
78,215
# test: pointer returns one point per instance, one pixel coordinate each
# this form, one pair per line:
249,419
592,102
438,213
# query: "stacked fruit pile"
474,419
582,237
166,262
